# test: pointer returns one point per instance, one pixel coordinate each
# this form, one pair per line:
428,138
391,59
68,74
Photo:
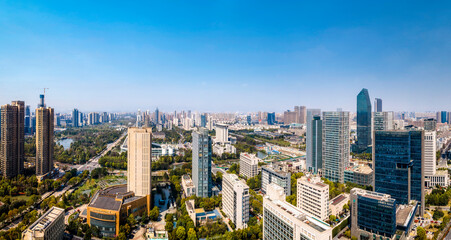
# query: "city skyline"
184,56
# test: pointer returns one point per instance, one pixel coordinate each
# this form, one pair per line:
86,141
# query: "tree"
421,233
332,218
122,236
154,213
192,234
169,226
180,233
346,207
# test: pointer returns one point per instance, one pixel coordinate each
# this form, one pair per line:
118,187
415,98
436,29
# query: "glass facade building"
399,165
363,120
314,140
443,117
271,118
201,164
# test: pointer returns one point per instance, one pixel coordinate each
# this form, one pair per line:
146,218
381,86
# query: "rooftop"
404,213
106,199
50,216
338,199
361,168
276,169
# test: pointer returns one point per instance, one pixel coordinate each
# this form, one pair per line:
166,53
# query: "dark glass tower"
363,120
271,118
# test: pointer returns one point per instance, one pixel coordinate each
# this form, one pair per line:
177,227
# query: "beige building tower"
12,139
44,141
139,162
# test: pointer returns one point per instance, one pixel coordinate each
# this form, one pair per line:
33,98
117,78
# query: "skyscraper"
203,120
28,120
314,140
12,139
235,200
377,105
430,151
363,120
75,116
335,145
301,113
443,117
157,116
139,162
271,118
383,121
398,165
44,139
201,163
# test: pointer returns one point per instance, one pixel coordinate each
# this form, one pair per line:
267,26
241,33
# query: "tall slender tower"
12,138
44,139
314,140
139,162
363,120
75,116
201,167
377,105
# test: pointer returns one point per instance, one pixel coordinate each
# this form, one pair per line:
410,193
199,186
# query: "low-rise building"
440,178
248,165
198,215
282,220
275,174
336,205
360,174
49,226
235,200
313,197
188,186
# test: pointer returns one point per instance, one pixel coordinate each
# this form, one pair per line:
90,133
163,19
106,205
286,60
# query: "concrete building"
248,165
440,178
430,151
12,138
313,197
235,200
335,145
336,205
282,220
201,163
430,124
49,226
188,186
276,174
44,141
360,174
314,141
139,162
222,133
75,116
383,121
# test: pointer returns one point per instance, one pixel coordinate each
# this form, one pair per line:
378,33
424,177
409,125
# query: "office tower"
377,105
248,119
313,197
301,114
430,124
57,120
438,117
271,118
157,116
139,162
443,117
27,120
363,120
235,200
430,151
275,174
383,121
314,140
248,165
335,145
222,133
41,101
203,120
373,213
282,220
289,117
12,139
398,165
44,140
201,164
49,226
75,115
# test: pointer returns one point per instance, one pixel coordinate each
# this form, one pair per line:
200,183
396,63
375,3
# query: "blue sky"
226,55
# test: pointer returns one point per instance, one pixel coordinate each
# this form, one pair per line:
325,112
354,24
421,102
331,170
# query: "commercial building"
383,121
44,140
75,116
360,174
363,120
139,162
110,207
201,163
313,197
249,165
430,151
222,133
336,205
377,216
271,118
443,117
12,139
298,116
377,105
49,226
314,141
440,178
430,124
188,186
282,220
398,165
235,200
276,174
335,145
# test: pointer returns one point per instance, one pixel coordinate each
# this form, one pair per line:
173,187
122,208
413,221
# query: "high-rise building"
249,119
75,115
201,163
248,165
271,118
235,200
314,140
313,197
203,120
44,140
157,116
443,117
222,133
398,165
301,114
139,162
28,128
363,120
383,121
430,124
430,151
335,145
282,220
41,101
275,174
377,105
12,139
49,226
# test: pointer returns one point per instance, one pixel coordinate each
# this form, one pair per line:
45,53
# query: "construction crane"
44,90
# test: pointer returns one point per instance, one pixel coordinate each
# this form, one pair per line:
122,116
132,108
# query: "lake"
65,143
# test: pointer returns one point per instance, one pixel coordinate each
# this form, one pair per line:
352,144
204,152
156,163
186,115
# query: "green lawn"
20,197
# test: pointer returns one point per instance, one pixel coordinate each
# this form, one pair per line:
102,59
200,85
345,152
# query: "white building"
249,165
222,133
336,205
276,174
430,150
282,220
188,186
48,227
313,197
383,121
440,178
235,200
